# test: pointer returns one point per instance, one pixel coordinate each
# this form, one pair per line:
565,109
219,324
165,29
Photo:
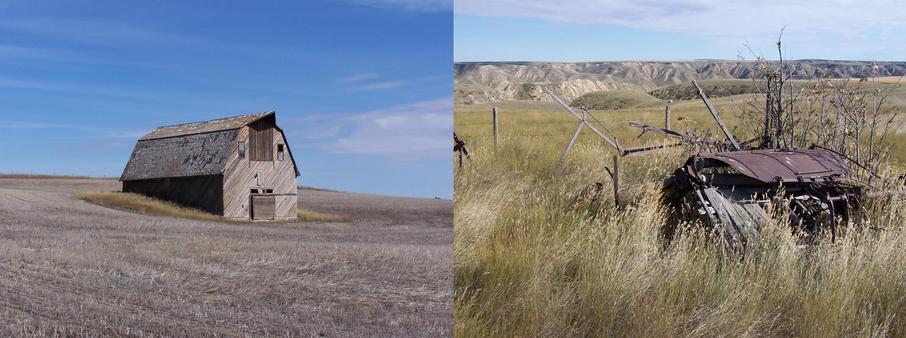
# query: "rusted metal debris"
459,147
731,191
730,185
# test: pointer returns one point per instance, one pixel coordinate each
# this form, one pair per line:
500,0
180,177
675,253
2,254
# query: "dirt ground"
68,267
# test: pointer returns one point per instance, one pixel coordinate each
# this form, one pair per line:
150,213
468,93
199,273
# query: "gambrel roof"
227,123
191,149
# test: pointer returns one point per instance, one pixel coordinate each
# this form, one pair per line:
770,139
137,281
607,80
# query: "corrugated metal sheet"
205,126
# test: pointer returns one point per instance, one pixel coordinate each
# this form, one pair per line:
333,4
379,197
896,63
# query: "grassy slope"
615,99
714,88
530,260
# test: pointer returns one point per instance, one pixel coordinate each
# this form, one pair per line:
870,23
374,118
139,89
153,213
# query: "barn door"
263,207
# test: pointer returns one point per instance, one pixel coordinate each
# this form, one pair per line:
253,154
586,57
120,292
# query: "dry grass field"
72,268
532,260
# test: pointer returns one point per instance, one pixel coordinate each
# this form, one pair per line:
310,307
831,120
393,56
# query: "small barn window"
242,149
280,152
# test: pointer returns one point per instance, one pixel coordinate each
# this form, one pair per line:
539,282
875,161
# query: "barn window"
280,152
242,149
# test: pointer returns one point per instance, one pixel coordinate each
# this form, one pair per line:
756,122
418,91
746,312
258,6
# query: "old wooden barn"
240,167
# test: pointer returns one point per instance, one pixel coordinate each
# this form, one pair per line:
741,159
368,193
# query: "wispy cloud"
95,31
96,132
128,36
39,125
368,82
317,133
9,51
409,5
720,20
113,91
358,78
409,131
381,85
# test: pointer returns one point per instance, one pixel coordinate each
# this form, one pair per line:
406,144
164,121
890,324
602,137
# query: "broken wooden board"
739,222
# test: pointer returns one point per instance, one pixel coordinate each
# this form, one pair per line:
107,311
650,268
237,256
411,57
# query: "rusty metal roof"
785,165
204,126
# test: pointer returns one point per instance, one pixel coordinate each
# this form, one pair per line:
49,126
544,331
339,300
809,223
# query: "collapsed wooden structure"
239,167
732,190
731,187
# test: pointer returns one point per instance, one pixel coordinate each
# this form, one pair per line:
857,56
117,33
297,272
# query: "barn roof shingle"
191,149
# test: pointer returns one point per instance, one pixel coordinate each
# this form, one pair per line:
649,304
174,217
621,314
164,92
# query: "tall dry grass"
152,206
531,260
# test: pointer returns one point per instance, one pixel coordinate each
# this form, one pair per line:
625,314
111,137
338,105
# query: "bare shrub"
843,115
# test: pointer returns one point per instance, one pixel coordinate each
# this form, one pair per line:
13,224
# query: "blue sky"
361,87
588,30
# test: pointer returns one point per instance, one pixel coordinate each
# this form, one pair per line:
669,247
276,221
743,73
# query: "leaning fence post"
494,116
667,114
616,180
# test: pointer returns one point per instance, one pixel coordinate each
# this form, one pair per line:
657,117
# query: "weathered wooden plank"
728,227
613,143
494,117
263,207
713,111
240,178
667,114
569,146
743,222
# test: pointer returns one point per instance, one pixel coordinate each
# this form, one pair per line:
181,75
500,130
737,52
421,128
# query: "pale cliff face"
477,82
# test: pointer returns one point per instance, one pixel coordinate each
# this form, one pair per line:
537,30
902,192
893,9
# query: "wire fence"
573,122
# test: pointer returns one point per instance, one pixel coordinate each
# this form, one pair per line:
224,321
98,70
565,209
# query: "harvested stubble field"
71,268
533,260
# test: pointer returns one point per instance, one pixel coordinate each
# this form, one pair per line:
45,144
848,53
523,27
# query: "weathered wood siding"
203,192
240,178
263,207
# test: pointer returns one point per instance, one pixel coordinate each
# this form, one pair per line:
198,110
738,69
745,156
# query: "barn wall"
202,192
239,179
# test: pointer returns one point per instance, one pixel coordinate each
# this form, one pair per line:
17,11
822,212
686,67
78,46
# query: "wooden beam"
713,111
688,137
556,98
494,117
565,106
667,114
645,149
572,141
616,180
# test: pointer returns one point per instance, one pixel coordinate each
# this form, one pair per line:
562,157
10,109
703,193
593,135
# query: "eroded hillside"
480,82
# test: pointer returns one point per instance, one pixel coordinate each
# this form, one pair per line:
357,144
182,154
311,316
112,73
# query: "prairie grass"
74,269
145,205
530,259
151,206
314,216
